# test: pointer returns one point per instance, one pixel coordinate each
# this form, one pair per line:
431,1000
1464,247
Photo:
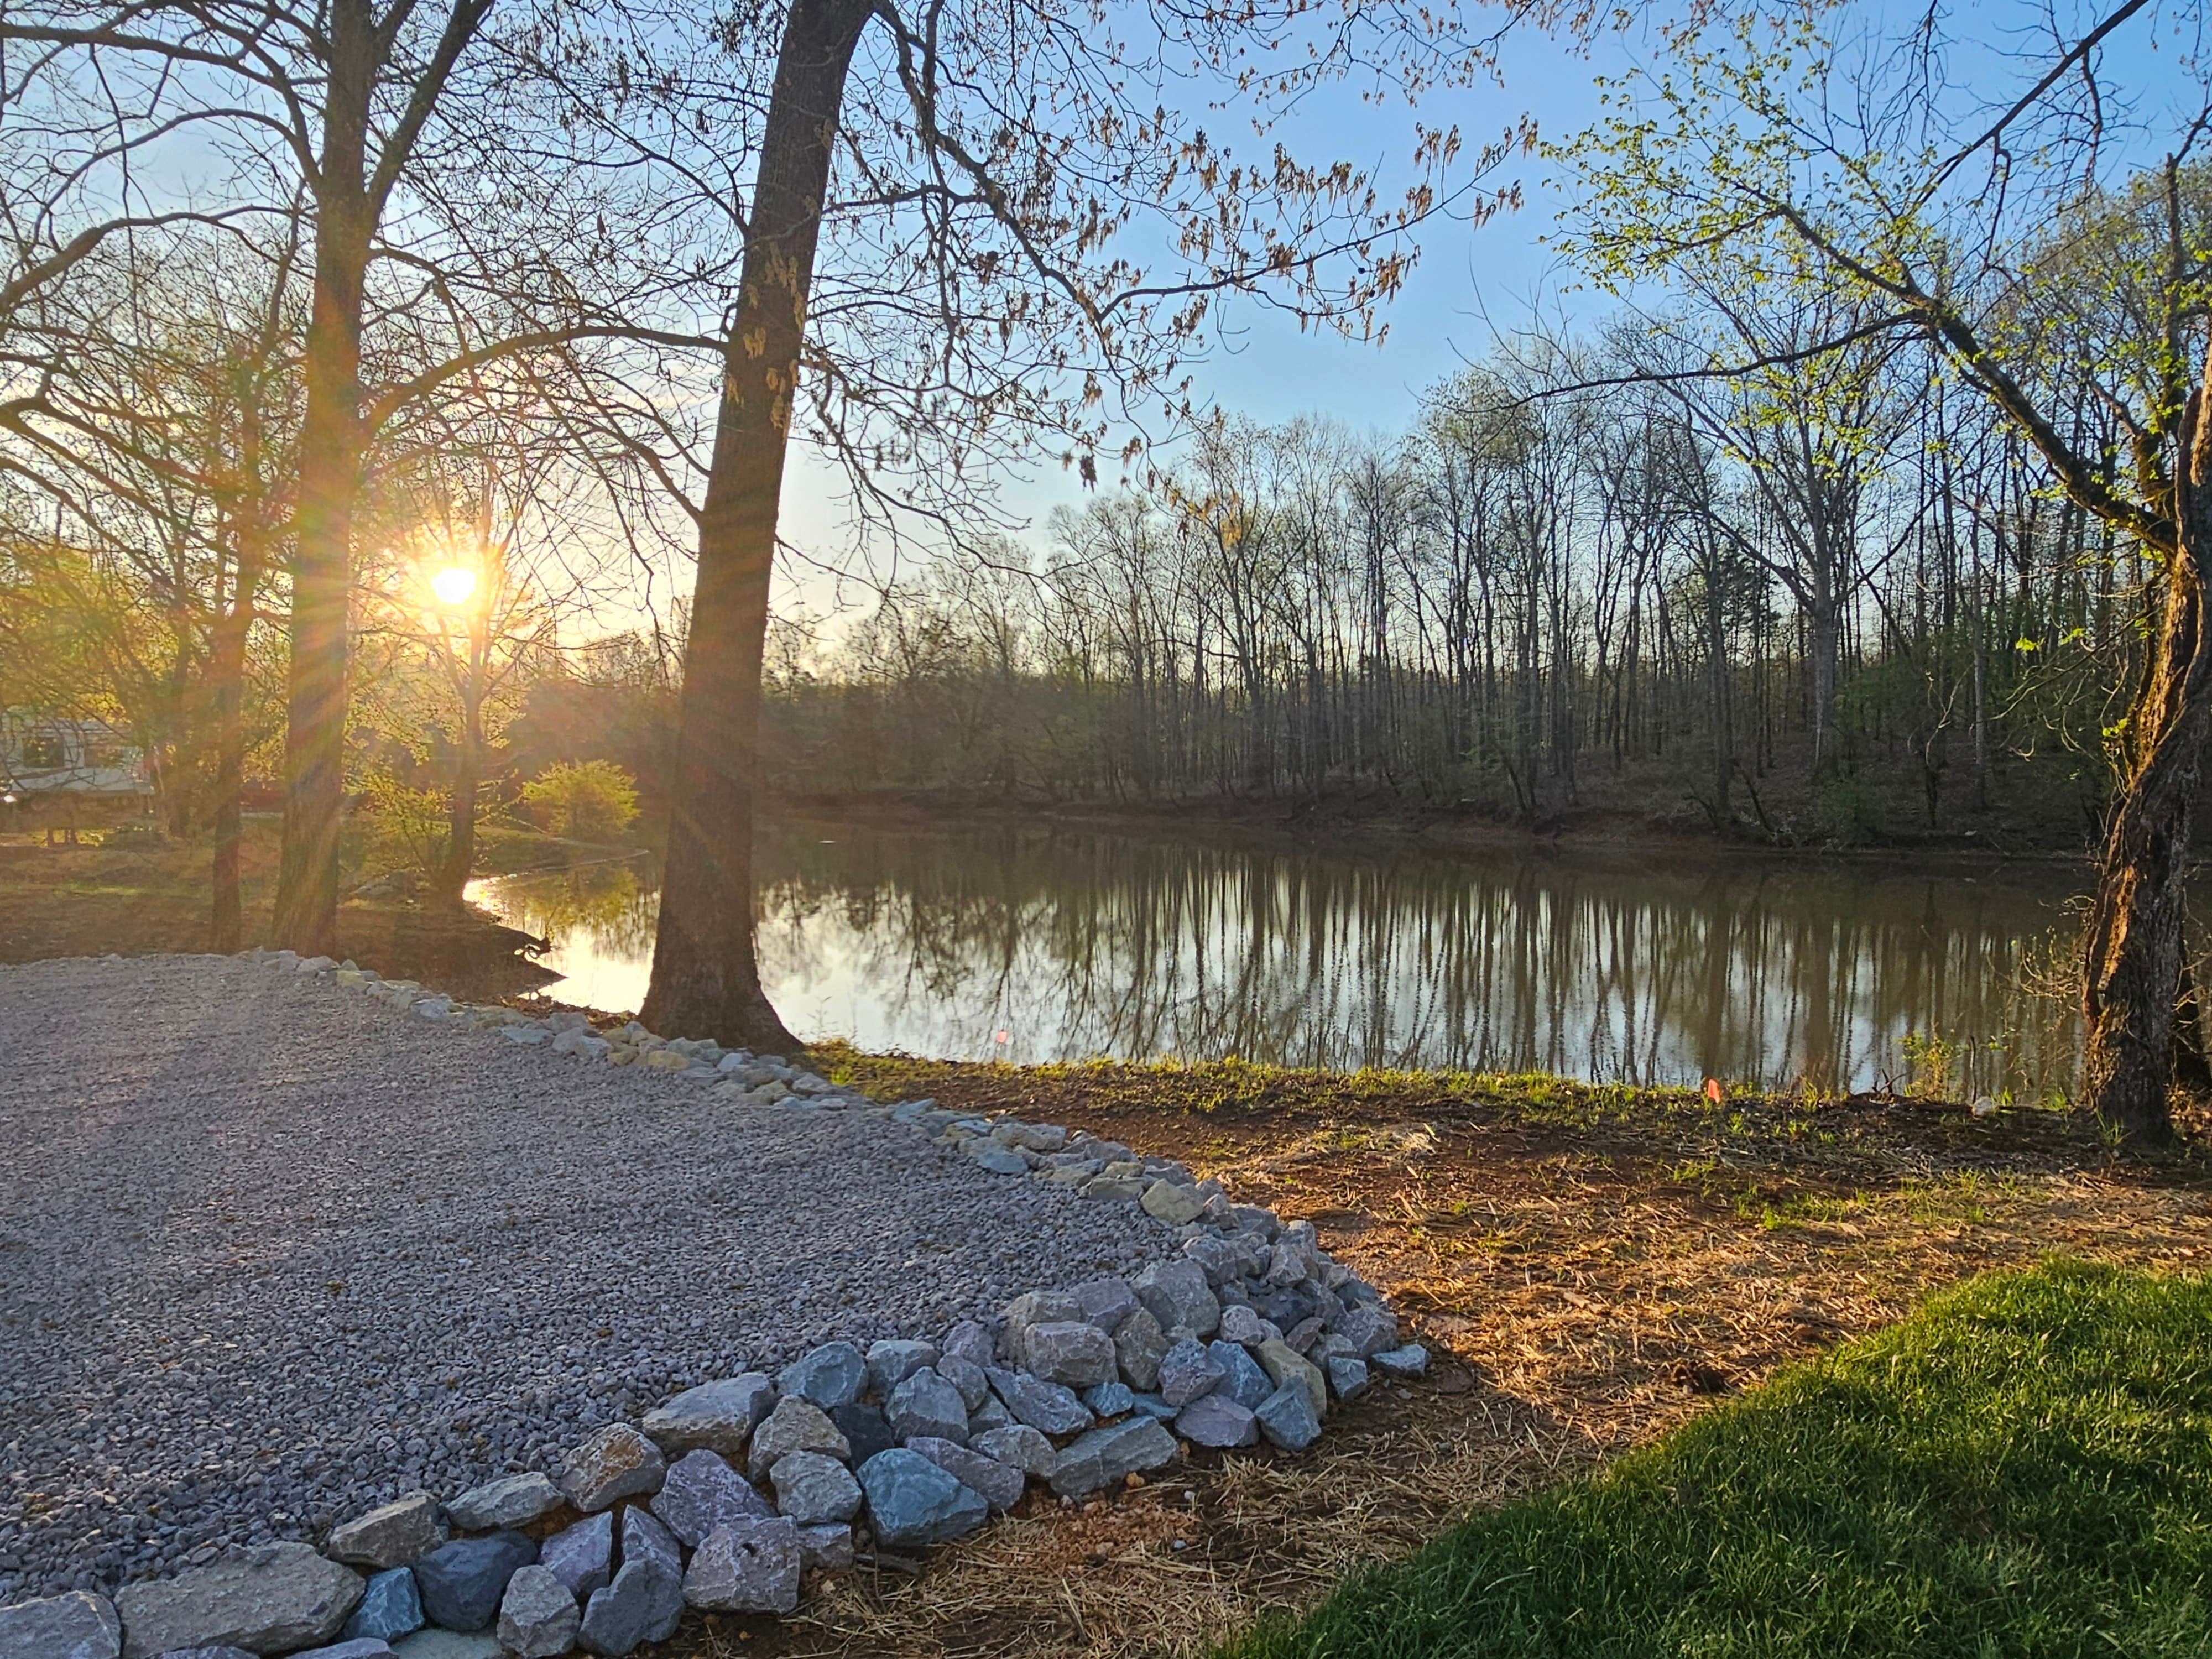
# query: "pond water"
988,941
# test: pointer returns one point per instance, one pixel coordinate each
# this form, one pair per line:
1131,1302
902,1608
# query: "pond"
989,941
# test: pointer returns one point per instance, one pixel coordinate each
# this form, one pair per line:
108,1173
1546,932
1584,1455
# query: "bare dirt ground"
1592,1266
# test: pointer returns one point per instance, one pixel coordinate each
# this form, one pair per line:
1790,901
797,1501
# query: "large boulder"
1242,1378
1046,1407
1188,1370
718,1417
390,1609
1018,1446
461,1583
700,1493
911,1501
644,1602
538,1616
891,1362
1217,1420
270,1598
748,1566
581,1556
925,1404
77,1626
1288,1419
832,1375
615,1463
512,1500
400,1532
1037,1308
1286,1365
1139,1344
1000,1484
815,1489
795,1425
1176,1295
1073,1352
1108,1455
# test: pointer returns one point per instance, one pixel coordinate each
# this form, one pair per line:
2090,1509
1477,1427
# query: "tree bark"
227,669
2132,957
459,862
331,446
706,977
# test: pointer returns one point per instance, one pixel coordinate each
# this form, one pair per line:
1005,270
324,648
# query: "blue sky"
1473,282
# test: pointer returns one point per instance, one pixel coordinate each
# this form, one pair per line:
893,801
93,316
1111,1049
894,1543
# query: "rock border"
723,1496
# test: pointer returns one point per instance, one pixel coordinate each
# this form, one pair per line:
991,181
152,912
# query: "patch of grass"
2023,1468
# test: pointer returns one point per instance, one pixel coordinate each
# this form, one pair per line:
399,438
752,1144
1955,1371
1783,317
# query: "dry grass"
1592,1268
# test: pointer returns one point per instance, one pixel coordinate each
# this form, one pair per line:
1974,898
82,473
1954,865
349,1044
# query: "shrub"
593,800
407,828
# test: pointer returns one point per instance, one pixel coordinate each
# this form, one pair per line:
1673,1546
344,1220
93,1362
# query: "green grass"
2024,1467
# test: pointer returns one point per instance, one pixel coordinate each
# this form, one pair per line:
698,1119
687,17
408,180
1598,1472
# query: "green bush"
407,828
591,801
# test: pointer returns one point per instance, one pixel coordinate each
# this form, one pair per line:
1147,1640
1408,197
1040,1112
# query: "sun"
453,585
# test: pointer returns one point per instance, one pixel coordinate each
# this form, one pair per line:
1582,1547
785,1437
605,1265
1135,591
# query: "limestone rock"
717,1417
1172,1204
269,1598
911,1501
1073,1352
461,1583
1105,1456
1285,1363
389,1608
795,1425
832,1375
514,1500
538,1616
815,1490
1044,1406
927,1404
615,1463
78,1626
391,1537
1000,1484
702,1492
746,1567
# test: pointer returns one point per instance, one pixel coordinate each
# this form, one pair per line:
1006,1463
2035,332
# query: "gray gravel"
271,1254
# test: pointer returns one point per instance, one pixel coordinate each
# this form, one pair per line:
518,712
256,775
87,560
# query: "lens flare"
453,585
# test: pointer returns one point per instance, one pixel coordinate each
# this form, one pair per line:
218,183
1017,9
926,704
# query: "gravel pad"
271,1254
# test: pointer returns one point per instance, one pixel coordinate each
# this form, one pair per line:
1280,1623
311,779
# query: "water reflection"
1032,945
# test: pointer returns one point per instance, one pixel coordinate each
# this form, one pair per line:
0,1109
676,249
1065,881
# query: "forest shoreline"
1351,824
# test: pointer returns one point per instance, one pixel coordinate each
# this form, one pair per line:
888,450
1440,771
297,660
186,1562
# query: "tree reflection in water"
1612,968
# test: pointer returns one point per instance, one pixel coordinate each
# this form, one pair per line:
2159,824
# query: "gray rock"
1283,1364
891,1363
1105,1301
1152,1406
825,1546
461,1583
1177,1293
1287,1417
1030,1136
1037,1308
538,1616
996,1157
1017,1445
746,1567
1110,1399
1105,1456
615,1463
1347,1377
815,1490
448,1644
644,1602
1412,1360
78,1626
717,1417
966,1375
1042,1404
389,1608
1251,1218
866,1429
1242,1378
832,1375
795,1425
1286,1266
1187,1371
991,1414
971,1342
582,1557
927,1404
1218,1420
1304,1336
391,1537
1111,1188
1000,1484
701,1492
1244,1325
1073,1352
1219,1257
364,1647
1139,1344
268,1598
1173,1204
911,1501
514,1500
226,1651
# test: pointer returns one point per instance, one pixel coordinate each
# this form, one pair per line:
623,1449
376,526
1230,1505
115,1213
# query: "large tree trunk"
227,669
461,859
706,979
331,446
2132,960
